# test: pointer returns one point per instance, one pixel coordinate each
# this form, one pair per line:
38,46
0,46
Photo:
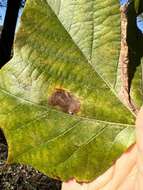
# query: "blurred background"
3,7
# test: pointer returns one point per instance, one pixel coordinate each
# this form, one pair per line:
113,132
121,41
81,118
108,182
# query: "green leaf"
137,4
97,35
61,48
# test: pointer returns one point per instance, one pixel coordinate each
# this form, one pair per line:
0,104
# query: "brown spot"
64,100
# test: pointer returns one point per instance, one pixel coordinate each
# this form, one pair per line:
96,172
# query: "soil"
21,177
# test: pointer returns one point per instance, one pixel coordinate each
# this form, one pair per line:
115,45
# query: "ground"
20,177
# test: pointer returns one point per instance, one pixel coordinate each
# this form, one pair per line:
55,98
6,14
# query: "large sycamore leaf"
95,28
74,45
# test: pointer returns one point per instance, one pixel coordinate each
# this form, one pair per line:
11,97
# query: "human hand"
125,174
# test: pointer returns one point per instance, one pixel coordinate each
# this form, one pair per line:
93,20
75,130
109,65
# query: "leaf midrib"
65,115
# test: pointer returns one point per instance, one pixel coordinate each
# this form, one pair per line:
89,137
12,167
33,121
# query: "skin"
125,174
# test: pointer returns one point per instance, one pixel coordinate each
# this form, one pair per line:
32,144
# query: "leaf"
48,56
137,4
126,166
97,35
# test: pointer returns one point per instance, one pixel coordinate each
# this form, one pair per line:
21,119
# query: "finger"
95,185
139,130
139,137
123,167
102,180
129,183
73,185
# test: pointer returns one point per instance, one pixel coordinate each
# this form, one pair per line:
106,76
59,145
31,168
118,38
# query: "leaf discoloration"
64,100
124,92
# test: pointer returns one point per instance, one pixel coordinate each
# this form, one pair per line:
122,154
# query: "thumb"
73,185
139,141
139,130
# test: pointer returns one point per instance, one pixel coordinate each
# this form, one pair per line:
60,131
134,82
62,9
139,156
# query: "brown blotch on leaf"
64,100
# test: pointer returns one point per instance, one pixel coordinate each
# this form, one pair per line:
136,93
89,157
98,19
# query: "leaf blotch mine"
65,101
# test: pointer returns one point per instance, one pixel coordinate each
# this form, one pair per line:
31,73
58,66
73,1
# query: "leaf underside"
58,47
